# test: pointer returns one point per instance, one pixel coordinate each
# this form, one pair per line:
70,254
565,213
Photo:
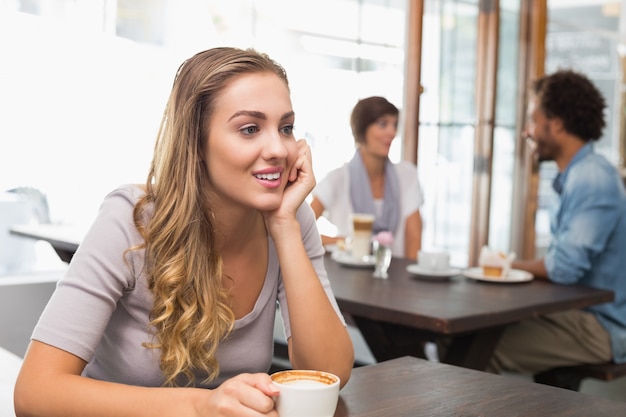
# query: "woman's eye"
249,130
287,130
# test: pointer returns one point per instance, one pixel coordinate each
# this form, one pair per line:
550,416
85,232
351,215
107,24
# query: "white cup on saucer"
433,261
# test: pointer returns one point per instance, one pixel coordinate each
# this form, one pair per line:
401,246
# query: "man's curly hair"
574,99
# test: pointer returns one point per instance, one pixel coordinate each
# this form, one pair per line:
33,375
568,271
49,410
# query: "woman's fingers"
245,394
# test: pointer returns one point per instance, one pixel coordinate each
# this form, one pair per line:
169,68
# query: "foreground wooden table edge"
409,386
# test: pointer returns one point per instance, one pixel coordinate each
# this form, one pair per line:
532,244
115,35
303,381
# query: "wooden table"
63,238
397,315
410,386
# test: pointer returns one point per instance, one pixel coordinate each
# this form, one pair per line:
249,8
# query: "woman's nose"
275,147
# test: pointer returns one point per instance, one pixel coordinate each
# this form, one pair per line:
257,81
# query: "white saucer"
514,276
345,258
418,270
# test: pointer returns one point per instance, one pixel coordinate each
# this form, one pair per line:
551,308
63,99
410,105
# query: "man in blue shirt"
588,226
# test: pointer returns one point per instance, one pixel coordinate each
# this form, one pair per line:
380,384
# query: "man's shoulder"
596,178
594,167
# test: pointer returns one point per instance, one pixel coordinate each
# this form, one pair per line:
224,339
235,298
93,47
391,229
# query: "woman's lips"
270,178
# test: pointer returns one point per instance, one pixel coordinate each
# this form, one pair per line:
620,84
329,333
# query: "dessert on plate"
495,263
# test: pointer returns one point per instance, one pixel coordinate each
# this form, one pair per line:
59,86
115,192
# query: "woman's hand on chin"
300,182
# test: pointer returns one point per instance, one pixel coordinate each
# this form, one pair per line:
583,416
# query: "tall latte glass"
361,241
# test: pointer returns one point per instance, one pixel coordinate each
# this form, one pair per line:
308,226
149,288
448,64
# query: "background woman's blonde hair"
191,314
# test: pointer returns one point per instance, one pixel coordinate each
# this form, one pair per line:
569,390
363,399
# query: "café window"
88,81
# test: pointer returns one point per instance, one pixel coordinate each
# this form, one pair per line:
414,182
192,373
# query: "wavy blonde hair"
191,314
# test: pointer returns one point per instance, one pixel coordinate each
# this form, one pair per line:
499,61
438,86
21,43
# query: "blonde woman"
168,305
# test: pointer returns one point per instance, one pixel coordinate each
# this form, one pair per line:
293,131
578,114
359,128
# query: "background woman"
371,183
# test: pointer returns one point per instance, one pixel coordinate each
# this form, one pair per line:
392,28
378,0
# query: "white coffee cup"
306,393
361,241
433,261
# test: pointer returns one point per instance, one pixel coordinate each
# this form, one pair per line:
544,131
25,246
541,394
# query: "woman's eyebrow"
288,115
259,115
252,113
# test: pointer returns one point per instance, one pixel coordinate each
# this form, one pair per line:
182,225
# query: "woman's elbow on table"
346,372
40,380
336,357
27,396
345,358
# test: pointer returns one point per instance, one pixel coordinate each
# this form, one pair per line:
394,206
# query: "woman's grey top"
100,309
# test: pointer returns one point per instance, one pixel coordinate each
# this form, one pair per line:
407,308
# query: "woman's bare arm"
318,209
49,384
413,235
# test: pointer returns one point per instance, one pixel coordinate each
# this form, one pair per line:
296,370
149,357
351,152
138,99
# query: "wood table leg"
472,350
389,341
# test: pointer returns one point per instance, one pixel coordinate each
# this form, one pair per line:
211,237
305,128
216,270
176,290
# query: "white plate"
418,270
515,275
345,258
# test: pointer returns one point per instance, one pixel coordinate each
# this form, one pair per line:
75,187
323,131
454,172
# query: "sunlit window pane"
87,82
